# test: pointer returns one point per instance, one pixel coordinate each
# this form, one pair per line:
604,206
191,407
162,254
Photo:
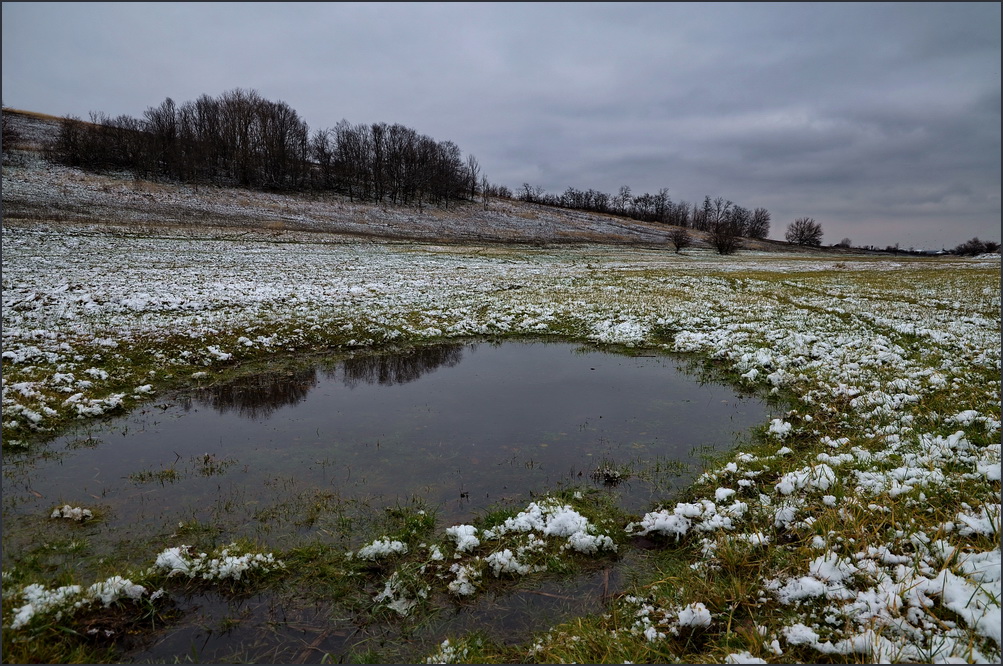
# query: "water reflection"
259,395
510,421
315,450
391,369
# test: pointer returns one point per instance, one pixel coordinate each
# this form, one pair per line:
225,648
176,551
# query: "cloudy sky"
881,121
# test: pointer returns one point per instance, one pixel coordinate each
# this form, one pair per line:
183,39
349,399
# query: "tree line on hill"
241,139
659,207
726,221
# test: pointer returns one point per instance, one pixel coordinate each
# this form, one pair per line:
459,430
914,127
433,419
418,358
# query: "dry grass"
32,114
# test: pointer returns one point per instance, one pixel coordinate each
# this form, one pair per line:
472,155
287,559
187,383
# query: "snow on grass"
72,513
381,548
224,563
40,603
522,544
880,485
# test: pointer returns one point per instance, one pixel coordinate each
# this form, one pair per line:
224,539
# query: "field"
862,526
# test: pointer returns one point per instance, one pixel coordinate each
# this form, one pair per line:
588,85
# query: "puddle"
266,628
281,455
461,426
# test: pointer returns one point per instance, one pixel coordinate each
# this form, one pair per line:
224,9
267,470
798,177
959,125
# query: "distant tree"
67,148
600,202
573,198
644,207
759,226
485,190
531,193
322,152
804,231
741,219
698,217
501,192
975,247
845,243
678,214
623,199
473,172
725,237
663,202
681,238
721,211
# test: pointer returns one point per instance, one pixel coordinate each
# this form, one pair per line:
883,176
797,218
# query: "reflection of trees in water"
390,369
258,396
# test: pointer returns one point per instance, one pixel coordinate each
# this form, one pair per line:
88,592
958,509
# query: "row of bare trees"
382,162
242,139
713,215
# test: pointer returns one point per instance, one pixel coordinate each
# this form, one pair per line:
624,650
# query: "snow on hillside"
36,189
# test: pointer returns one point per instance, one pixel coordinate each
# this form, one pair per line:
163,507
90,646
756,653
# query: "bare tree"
531,193
663,202
242,139
681,238
623,199
804,231
698,218
975,247
725,237
473,171
845,243
741,219
759,227
679,214
322,151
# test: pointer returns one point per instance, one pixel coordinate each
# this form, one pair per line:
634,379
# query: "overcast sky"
881,121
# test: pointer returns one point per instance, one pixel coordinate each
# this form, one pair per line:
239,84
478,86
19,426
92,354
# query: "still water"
283,455
461,426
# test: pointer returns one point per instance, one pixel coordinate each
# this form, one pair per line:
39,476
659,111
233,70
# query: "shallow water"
285,454
461,426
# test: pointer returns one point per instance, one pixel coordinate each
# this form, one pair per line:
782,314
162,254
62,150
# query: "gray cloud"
882,121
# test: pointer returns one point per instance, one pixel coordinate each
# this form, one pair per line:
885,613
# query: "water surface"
308,447
461,426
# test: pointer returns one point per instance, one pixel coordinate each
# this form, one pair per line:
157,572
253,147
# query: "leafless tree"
725,237
740,219
622,199
759,226
473,172
804,231
975,247
531,193
322,152
681,238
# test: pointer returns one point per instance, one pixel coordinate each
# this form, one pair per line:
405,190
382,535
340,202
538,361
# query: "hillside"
34,189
